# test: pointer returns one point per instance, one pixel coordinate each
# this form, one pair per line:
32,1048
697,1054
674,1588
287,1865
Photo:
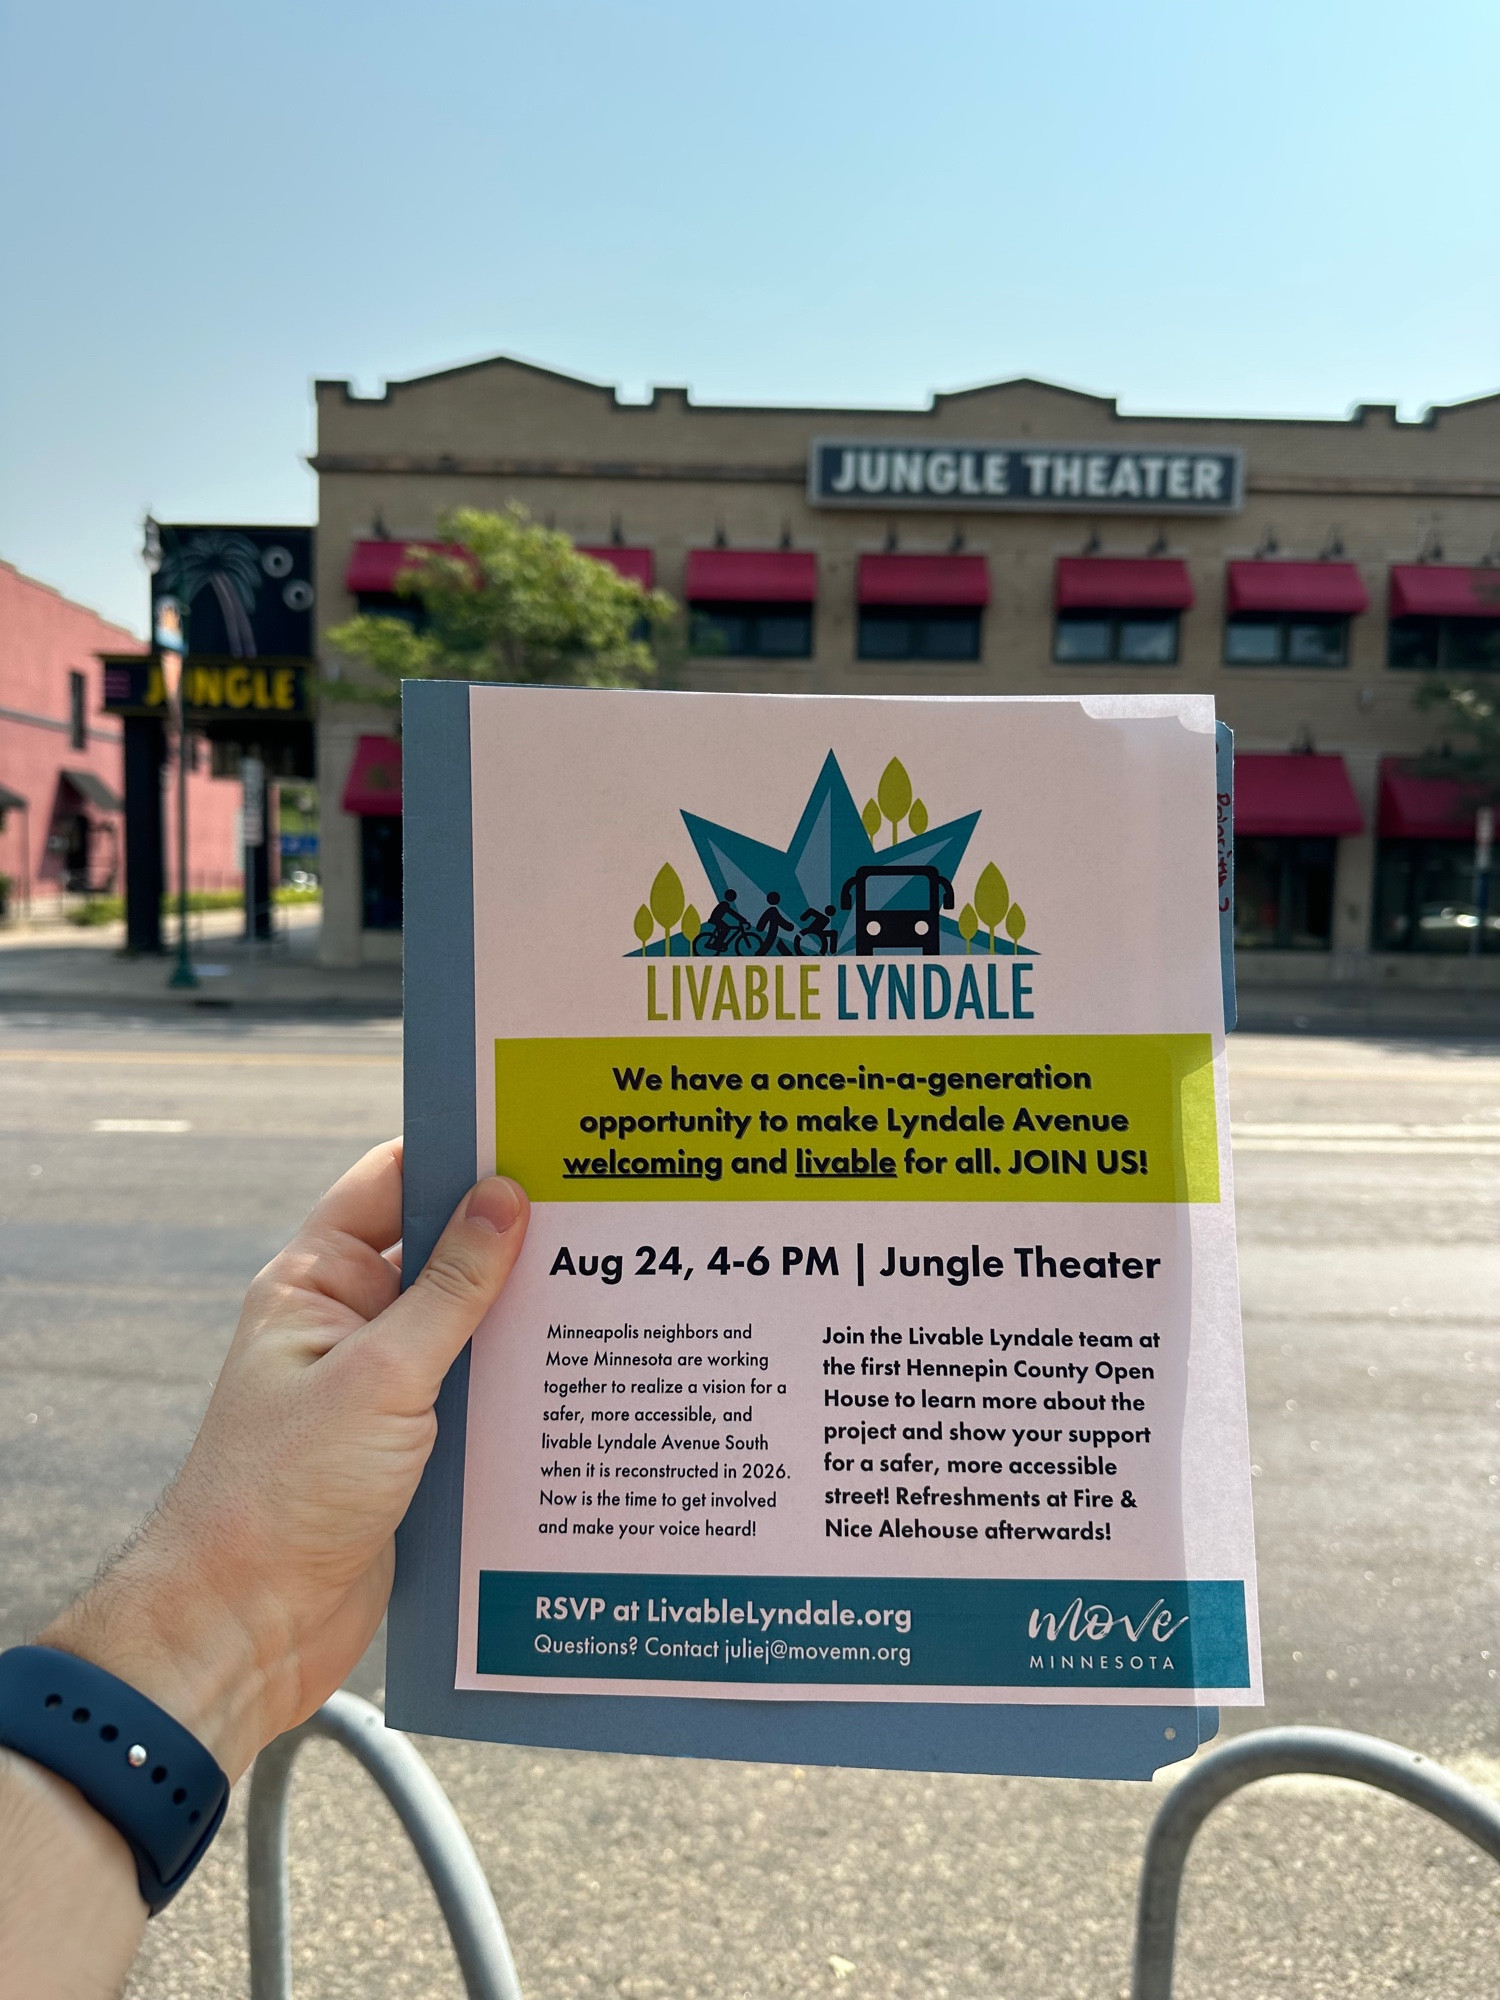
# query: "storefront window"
1099,638
1267,640
1424,898
1283,894
1445,645
380,870
913,633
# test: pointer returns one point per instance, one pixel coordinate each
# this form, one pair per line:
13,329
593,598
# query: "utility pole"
169,631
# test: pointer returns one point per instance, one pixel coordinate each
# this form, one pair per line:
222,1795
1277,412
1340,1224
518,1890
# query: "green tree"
506,600
667,901
968,926
916,819
894,795
644,925
691,924
870,818
1015,923
1470,710
991,899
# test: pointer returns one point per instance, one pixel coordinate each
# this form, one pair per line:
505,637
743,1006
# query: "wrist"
61,1855
169,1634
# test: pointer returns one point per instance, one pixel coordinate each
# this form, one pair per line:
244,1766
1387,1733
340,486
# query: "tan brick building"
1014,539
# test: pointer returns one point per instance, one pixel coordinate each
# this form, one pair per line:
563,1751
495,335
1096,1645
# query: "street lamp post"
169,631
1484,842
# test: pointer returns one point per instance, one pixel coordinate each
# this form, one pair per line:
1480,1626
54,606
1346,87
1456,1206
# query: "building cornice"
448,465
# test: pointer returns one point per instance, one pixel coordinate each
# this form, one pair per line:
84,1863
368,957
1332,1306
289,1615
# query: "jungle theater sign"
1024,478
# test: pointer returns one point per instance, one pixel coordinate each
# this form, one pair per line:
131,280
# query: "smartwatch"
138,1768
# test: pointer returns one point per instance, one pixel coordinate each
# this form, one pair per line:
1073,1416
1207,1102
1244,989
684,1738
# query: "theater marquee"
1024,478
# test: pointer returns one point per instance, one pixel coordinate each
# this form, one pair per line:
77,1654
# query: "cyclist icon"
725,933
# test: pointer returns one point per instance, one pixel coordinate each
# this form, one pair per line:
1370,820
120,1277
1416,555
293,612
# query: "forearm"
71,1913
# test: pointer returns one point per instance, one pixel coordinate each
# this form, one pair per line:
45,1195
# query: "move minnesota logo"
832,889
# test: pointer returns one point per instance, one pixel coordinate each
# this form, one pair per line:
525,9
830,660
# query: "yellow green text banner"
1064,1118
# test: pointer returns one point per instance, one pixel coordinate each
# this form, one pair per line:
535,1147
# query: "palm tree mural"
227,564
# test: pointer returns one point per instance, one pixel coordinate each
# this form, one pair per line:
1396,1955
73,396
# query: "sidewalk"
66,968
1369,1010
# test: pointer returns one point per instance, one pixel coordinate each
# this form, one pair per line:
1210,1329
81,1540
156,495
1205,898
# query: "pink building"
61,765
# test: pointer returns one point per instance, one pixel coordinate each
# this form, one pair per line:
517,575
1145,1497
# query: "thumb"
470,1262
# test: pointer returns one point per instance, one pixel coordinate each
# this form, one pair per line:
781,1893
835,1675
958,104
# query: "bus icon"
905,929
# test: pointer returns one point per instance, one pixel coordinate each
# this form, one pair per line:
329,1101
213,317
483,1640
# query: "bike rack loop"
436,1832
1270,1753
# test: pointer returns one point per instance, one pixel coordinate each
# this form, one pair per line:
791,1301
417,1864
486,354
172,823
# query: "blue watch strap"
137,1767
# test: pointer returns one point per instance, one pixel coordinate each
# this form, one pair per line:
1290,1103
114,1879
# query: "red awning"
924,580
1329,588
374,566
1417,808
1294,795
373,786
635,565
1444,590
751,576
1120,583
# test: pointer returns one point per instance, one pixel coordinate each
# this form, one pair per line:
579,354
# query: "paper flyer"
877,1333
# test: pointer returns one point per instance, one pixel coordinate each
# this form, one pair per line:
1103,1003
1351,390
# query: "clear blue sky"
1280,207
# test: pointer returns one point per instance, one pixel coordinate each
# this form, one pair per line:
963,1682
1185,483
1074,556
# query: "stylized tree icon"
968,926
1015,923
667,900
644,925
991,899
870,818
692,923
894,794
916,819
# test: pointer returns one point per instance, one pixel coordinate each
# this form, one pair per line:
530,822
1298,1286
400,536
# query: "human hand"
263,1575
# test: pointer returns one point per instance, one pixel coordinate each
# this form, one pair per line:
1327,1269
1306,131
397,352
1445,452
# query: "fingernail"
496,1203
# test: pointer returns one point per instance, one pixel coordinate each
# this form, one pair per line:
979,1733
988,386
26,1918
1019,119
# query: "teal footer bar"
864,1632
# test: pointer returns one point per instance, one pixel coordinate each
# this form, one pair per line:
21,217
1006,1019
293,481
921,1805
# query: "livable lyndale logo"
832,890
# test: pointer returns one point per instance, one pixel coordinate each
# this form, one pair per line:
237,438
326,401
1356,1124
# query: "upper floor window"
751,603
915,632
914,607
1282,613
1445,618
1445,645
1129,638
1271,639
751,631
78,718
1119,610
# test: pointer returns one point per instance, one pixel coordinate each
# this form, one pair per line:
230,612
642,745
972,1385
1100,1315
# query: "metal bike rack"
483,1951
1271,1753
435,1830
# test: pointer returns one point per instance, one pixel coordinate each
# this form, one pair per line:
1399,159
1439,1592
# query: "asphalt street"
148,1167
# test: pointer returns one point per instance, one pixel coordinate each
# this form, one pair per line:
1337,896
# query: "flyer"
876,1339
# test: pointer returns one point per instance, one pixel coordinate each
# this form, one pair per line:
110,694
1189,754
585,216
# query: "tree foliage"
667,897
991,899
1472,711
894,794
506,600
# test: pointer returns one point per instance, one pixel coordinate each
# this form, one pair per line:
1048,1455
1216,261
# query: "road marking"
1470,1069
142,1125
238,1059
1363,1130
